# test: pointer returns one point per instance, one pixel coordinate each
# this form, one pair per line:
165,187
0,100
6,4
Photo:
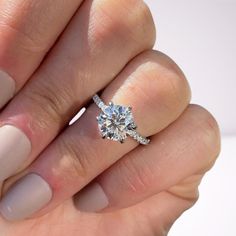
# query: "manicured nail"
15,148
26,197
91,199
7,88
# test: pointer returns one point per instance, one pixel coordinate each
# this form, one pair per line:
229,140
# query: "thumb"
160,211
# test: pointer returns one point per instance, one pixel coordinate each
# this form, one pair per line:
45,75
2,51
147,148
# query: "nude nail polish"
15,148
91,199
26,197
7,88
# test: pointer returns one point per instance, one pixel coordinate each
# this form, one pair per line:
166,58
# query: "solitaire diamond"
115,121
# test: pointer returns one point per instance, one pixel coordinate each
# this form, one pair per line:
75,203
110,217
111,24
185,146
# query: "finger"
87,57
175,161
27,31
156,215
152,84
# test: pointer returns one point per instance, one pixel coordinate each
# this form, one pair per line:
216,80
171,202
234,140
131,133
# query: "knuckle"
142,22
22,22
25,41
208,134
187,189
136,179
120,19
75,158
161,80
50,103
175,80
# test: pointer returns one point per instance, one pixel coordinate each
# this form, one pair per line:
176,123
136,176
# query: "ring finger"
158,92
88,56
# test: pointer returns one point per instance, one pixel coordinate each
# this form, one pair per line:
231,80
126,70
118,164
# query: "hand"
122,189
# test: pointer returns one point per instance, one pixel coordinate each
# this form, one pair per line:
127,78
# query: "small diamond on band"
116,122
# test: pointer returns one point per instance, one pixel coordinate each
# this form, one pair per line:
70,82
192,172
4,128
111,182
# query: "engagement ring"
116,122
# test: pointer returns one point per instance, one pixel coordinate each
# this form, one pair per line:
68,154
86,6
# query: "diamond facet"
115,121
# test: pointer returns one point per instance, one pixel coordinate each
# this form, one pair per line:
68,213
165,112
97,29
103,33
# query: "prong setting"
116,122
122,141
134,126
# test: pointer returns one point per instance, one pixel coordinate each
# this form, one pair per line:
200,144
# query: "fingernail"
7,88
26,197
15,148
91,199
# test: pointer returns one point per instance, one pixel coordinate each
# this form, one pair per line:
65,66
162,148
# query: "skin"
107,47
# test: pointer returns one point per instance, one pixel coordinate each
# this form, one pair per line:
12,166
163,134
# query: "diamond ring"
116,122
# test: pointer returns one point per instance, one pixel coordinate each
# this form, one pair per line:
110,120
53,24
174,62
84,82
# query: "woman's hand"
129,189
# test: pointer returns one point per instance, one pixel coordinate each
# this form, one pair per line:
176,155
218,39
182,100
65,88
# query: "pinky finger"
174,161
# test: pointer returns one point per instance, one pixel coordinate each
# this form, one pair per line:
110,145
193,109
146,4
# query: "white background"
201,37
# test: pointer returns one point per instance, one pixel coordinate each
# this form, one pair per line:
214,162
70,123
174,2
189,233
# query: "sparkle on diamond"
114,122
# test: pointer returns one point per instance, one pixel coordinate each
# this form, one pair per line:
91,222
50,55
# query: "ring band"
116,122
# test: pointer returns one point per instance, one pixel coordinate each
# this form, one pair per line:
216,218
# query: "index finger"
28,29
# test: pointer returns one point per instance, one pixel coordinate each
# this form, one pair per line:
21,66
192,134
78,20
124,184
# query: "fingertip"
7,88
91,199
25,197
15,148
